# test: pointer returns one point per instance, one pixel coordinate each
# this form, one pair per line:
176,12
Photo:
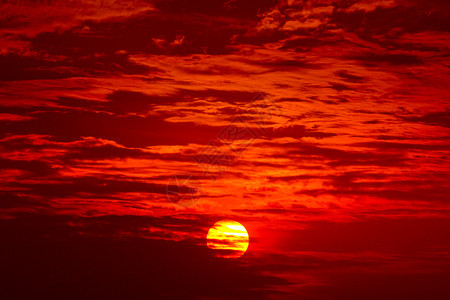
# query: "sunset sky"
129,128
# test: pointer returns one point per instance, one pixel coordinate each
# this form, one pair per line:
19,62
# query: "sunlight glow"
228,238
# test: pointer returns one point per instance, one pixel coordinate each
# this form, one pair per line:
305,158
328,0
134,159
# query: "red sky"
321,126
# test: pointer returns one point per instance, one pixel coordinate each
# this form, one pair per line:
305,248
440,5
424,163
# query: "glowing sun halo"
228,238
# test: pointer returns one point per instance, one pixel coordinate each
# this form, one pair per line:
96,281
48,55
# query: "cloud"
93,187
130,130
12,117
345,75
371,5
439,118
236,8
141,33
104,103
295,25
88,265
338,157
18,67
375,60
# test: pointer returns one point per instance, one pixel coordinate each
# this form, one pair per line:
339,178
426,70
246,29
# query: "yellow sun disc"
228,238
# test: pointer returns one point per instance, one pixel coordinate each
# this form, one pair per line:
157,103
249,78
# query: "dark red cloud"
115,267
15,67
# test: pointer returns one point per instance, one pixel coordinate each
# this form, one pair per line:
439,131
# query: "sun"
228,239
